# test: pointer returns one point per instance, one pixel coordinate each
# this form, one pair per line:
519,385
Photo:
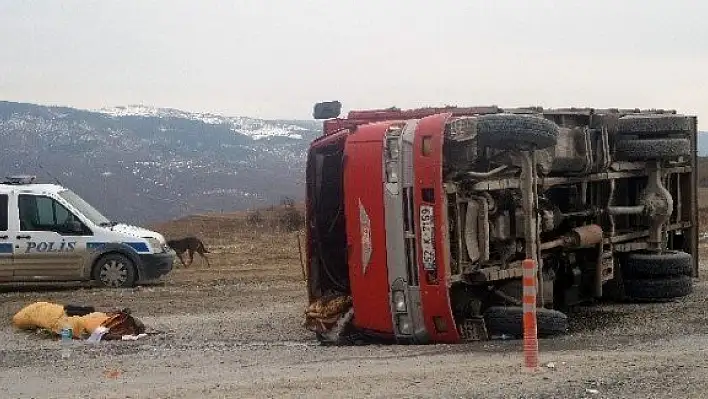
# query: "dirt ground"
233,331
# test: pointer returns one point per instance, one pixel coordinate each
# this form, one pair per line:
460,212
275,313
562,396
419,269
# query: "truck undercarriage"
603,200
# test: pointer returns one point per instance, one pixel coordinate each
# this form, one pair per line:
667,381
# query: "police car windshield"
85,208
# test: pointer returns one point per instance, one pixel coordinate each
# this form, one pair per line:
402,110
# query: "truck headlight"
392,172
405,326
393,148
399,301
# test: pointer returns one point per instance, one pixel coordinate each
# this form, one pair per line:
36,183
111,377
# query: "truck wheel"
667,288
644,149
516,132
114,271
648,124
508,320
647,264
613,290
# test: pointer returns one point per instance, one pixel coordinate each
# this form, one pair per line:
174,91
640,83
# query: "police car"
48,233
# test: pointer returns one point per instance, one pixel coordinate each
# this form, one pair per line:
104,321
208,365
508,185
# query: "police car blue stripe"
137,246
94,245
5,248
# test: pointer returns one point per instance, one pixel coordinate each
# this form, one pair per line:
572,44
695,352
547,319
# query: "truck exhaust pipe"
586,236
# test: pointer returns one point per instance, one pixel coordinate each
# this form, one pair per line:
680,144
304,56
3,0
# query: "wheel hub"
114,273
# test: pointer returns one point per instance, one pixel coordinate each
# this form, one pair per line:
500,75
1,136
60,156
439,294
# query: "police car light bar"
22,179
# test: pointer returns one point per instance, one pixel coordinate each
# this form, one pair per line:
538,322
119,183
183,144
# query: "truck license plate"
426,237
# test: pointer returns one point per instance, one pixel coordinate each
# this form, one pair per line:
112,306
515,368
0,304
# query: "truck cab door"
50,243
6,249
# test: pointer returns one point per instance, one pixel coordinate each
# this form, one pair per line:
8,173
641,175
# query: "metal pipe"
607,161
481,175
599,273
588,151
679,196
587,236
610,198
558,242
584,193
626,210
580,214
582,236
527,191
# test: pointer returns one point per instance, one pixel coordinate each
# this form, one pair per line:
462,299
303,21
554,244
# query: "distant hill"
140,164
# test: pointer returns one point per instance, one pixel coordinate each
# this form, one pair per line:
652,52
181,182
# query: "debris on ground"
84,321
133,337
112,374
322,315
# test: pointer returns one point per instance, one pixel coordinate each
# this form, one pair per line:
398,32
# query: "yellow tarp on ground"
52,317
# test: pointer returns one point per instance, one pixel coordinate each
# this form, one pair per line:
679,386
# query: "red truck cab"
377,221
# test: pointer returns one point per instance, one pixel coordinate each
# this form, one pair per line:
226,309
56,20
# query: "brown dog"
190,245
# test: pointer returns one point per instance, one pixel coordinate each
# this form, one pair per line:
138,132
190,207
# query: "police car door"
51,241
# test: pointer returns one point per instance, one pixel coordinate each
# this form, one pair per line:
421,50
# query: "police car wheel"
114,271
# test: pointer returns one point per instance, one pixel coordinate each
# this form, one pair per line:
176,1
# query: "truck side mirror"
327,110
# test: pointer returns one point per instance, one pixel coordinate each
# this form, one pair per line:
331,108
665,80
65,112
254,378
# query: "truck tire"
646,264
658,289
651,124
114,270
613,290
516,132
508,320
644,149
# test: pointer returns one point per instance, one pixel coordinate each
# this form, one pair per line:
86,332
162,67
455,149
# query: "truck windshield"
85,208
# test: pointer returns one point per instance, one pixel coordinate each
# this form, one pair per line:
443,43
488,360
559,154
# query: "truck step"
473,329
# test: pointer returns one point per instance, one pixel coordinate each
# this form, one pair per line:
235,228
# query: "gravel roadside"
235,335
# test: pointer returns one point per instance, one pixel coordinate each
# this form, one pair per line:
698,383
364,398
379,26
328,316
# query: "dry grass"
239,249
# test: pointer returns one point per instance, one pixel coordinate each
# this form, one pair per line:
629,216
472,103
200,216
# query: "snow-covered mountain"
143,164
255,128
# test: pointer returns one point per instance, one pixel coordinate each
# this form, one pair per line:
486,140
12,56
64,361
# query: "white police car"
48,233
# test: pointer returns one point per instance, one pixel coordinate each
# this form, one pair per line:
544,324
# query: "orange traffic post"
529,308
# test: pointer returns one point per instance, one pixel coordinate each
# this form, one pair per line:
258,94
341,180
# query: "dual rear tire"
649,276
639,137
653,137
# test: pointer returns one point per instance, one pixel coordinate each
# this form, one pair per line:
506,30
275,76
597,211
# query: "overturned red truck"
418,220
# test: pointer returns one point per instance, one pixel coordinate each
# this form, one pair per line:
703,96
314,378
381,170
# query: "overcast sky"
276,58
